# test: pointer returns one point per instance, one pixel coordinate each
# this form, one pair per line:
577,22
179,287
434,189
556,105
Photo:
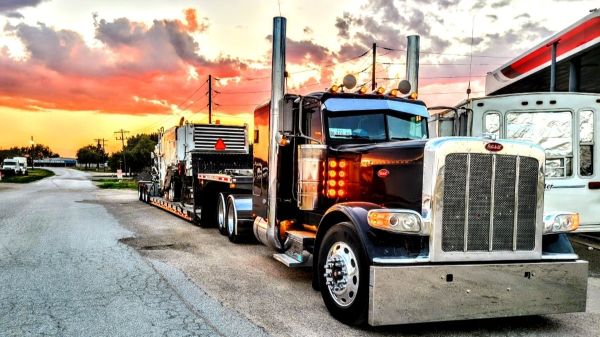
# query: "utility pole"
101,147
209,99
122,139
373,84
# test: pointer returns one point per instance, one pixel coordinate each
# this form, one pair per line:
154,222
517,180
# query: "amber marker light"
343,164
334,88
414,95
331,193
380,91
332,174
362,90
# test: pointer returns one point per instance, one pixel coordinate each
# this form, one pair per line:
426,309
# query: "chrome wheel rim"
230,219
342,274
221,213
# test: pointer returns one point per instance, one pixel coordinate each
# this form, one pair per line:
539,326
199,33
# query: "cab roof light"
334,89
394,93
379,91
413,95
362,90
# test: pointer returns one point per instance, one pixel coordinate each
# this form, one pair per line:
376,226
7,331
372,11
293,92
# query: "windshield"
10,162
375,127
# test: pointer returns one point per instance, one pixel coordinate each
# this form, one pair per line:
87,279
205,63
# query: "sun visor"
356,104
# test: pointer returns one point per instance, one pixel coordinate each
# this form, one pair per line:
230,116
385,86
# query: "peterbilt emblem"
495,147
383,173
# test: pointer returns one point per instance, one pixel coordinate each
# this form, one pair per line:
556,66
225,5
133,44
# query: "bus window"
551,130
586,142
491,123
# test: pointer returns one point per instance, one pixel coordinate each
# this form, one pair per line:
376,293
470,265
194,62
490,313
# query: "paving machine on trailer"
197,168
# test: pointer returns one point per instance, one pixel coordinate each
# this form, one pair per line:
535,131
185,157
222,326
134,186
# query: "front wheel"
344,274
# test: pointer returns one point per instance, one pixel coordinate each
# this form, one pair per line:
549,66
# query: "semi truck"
397,227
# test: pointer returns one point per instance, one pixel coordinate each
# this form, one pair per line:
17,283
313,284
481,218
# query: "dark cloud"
8,6
479,4
14,15
447,3
502,3
523,16
304,51
492,17
390,12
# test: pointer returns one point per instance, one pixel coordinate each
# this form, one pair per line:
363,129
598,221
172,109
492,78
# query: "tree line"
135,157
37,151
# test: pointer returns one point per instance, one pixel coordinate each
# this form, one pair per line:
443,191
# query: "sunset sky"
75,70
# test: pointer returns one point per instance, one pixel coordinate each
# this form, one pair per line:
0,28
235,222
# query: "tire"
341,251
140,193
231,220
221,214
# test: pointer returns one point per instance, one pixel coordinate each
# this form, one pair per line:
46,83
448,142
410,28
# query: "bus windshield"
378,126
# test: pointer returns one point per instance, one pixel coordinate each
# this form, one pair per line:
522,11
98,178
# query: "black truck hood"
391,173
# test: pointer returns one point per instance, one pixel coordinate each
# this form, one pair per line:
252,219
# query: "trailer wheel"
344,274
231,220
221,214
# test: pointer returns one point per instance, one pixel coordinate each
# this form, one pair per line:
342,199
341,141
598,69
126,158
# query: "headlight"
560,222
396,221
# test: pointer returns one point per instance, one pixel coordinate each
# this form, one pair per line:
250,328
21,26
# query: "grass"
34,175
116,184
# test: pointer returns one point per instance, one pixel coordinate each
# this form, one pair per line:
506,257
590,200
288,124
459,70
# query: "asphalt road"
79,261
247,279
63,272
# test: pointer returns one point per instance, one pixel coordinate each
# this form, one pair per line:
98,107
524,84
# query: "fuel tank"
390,174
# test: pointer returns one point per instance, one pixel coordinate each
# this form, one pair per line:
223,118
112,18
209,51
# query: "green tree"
91,154
137,153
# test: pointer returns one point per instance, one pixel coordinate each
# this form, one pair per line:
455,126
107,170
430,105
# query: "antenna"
471,57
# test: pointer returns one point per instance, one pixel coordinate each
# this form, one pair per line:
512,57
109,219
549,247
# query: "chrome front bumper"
430,293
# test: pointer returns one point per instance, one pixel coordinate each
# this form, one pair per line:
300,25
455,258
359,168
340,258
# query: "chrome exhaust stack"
412,62
271,237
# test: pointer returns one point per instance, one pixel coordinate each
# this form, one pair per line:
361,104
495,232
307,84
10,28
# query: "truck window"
491,123
586,143
384,126
551,130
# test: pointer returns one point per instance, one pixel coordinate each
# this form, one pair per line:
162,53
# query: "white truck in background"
18,165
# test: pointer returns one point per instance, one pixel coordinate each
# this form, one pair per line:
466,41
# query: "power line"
430,78
446,54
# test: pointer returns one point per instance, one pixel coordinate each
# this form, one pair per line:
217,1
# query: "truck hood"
391,173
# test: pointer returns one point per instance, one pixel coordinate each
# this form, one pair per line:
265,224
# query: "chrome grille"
206,136
489,202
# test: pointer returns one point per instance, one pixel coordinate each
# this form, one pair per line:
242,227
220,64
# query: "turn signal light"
336,188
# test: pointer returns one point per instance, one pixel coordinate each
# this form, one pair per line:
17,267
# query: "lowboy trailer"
399,228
